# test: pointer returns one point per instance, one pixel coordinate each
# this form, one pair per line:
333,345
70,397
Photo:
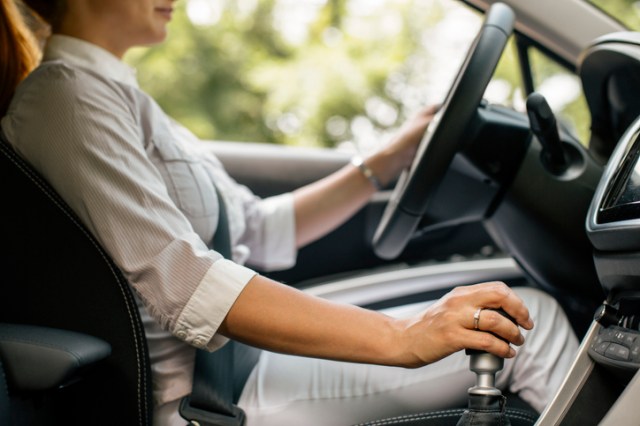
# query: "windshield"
625,11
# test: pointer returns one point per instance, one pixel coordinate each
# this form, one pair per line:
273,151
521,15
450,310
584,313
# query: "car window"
305,72
561,87
333,73
625,11
563,90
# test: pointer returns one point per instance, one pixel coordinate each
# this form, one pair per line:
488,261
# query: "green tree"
626,11
239,79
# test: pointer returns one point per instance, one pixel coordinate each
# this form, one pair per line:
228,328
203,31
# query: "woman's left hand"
399,153
322,206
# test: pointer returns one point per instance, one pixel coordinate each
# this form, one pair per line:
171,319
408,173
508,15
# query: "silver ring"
476,319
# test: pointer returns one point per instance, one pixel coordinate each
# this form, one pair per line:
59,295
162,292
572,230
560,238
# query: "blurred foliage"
352,72
239,78
568,102
574,113
625,11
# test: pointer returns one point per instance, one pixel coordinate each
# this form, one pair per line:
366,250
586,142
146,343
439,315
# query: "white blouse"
144,186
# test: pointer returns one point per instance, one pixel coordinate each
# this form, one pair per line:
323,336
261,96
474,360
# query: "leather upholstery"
450,417
55,274
42,358
4,399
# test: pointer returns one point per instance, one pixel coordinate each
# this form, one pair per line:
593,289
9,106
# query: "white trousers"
288,390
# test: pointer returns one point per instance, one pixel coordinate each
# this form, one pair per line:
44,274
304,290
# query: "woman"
145,188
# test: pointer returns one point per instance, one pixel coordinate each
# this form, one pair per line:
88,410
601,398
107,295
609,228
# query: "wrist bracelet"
358,162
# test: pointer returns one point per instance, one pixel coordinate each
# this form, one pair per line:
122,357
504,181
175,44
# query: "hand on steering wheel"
444,136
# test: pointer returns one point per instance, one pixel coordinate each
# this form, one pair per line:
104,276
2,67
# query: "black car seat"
4,399
55,275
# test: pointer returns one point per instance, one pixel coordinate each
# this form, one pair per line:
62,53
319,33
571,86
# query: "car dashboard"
603,386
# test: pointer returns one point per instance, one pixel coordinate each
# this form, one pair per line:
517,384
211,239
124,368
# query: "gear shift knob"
485,365
486,402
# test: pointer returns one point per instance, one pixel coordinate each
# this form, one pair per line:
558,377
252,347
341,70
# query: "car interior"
494,193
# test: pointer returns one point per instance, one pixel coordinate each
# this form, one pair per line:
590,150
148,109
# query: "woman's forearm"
282,319
324,205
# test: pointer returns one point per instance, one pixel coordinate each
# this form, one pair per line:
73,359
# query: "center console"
603,386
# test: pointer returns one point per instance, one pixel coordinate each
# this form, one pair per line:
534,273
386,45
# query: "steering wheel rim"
443,138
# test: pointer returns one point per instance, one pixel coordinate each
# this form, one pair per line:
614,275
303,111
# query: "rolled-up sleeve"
94,156
223,283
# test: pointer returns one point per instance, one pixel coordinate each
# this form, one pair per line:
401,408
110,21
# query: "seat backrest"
55,274
4,399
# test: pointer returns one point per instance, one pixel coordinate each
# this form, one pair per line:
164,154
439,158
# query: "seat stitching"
18,162
513,413
409,418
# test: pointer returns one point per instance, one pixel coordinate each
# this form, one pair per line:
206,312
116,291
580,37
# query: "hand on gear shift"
486,402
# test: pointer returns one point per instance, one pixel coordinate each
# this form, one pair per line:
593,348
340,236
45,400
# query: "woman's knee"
549,317
537,301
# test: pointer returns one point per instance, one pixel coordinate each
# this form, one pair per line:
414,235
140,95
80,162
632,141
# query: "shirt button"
181,334
199,342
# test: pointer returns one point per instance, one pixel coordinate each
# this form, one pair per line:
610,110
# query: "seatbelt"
218,377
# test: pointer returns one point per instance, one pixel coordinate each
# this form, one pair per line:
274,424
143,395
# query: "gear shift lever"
485,365
486,402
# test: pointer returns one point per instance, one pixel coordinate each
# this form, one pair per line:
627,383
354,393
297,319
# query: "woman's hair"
19,50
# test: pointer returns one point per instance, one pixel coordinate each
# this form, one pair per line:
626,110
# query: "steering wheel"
444,136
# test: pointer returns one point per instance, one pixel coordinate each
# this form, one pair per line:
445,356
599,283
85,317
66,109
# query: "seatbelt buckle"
199,417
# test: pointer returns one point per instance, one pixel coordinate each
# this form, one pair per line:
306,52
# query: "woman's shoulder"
58,74
57,69
58,88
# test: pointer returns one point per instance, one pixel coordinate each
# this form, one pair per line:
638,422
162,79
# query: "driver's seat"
55,274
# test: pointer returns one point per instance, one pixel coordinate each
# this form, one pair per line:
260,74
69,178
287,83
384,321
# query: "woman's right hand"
448,325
